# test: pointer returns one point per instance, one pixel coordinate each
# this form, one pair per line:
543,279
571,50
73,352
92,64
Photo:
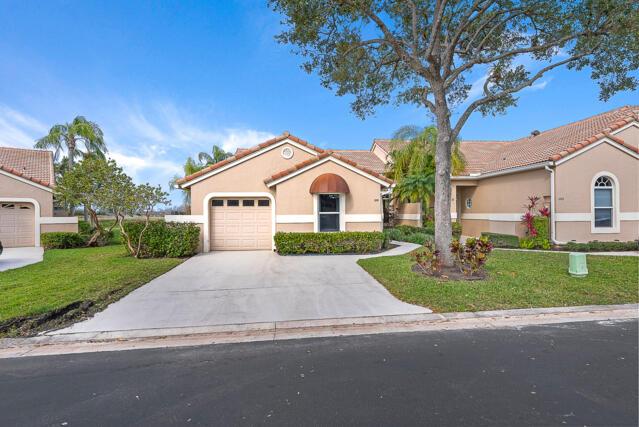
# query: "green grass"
516,280
66,276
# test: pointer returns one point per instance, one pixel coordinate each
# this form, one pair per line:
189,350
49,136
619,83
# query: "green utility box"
577,266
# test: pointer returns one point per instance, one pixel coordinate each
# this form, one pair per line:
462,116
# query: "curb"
87,342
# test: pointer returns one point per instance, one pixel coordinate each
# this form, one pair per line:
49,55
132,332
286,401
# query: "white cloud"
18,129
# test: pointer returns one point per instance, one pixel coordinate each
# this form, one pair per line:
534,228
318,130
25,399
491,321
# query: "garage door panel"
17,224
241,227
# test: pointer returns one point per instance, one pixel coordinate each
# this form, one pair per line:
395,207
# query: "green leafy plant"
502,240
330,243
471,256
596,246
407,233
159,239
61,240
428,259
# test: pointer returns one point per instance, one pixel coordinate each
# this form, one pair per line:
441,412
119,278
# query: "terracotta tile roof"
34,165
552,144
239,150
246,152
364,158
319,157
384,144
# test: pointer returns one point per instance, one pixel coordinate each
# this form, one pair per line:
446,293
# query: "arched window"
604,203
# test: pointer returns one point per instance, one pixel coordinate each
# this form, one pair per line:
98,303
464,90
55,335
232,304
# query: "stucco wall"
498,202
364,226
573,187
630,135
247,176
295,228
408,214
10,187
50,228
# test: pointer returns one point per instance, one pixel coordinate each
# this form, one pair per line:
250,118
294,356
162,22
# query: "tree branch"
494,97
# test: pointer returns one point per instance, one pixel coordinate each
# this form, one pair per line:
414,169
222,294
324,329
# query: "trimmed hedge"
406,233
164,239
343,242
596,246
61,240
541,241
502,240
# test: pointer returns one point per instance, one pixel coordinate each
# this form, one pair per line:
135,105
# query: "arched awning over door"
329,183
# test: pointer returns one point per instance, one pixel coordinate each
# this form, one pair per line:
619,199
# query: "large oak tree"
424,52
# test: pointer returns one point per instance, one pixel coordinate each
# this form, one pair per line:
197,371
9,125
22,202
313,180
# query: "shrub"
457,229
406,233
502,240
164,239
61,240
85,228
330,243
471,257
596,246
538,240
428,259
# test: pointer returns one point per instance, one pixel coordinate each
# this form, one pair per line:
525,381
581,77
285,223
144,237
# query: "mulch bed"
450,273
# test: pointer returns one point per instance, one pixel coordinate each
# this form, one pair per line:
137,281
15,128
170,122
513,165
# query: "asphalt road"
570,374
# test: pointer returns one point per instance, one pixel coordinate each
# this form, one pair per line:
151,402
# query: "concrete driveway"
19,257
249,287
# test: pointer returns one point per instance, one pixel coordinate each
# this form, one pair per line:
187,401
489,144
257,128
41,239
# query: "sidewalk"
86,342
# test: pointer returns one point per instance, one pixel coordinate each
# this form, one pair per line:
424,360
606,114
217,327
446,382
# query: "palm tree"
217,155
67,137
412,163
190,167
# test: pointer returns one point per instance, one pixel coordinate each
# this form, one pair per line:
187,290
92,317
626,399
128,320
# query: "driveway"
250,287
19,257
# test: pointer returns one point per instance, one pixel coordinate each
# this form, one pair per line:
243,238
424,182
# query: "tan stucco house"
586,172
26,198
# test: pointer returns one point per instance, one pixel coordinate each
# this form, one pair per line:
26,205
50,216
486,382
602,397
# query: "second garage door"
241,224
17,225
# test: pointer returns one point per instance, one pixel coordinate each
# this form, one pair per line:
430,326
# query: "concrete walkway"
19,257
220,288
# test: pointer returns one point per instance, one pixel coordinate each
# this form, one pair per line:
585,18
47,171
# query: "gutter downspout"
552,205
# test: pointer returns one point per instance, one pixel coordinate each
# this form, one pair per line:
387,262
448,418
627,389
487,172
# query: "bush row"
62,240
163,239
502,240
596,246
359,242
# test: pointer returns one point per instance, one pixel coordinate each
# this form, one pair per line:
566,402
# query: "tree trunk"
443,226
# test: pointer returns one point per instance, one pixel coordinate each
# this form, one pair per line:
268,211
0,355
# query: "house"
26,198
586,172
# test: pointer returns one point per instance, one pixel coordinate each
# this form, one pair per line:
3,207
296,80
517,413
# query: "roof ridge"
38,150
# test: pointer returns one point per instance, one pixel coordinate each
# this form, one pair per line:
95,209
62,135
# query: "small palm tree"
217,155
412,163
67,137
190,167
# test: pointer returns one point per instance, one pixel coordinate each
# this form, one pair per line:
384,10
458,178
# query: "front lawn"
516,280
70,284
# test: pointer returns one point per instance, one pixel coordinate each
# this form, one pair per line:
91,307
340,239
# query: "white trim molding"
36,205
629,125
248,157
26,181
294,219
363,218
616,190
59,220
587,216
321,162
411,217
192,219
206,239
506,217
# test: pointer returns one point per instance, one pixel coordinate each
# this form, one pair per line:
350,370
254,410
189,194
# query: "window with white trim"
328,211
603,197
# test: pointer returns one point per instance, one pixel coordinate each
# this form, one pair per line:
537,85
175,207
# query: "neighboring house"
284,184
26,198
586,172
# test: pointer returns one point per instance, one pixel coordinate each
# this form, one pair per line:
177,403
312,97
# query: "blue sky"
166,80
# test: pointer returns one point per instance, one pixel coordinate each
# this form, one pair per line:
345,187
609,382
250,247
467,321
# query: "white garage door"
241,224
17,224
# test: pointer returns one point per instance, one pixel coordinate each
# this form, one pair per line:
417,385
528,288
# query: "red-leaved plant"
472,256
428,259
529,215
